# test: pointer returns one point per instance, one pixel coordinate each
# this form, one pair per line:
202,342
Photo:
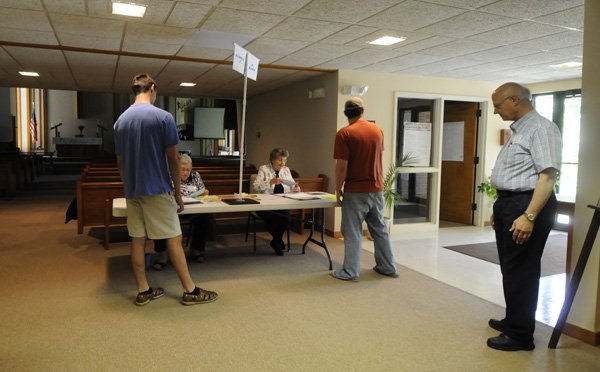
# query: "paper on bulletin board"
417,143
453,141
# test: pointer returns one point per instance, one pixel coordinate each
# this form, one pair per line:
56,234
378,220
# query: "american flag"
33,126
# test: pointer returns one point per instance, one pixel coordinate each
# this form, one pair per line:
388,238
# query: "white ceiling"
80,45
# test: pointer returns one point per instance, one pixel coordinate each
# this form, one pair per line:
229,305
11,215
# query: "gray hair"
277,152
185,159
516,89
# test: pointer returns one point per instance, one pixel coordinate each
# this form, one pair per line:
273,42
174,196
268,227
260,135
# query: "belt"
508,193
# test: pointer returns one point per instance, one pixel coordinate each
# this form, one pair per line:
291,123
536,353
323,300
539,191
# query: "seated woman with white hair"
191,183
276,178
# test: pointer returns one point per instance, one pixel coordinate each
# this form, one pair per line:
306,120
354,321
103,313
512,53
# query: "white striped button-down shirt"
534,146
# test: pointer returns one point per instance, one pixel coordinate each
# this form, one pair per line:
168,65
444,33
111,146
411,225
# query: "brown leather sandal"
203,297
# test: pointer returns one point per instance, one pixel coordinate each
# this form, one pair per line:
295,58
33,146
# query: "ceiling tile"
187,15
538,58
22,4
269,50
91,63
466,4
360,58
572,18
427,43
529,9
556,41
177,71
36,59
500,53
316,54
94,27
282,7
517,32
573,51
457,48
150,47
24,20
402,62
347,11
241,22
93,42
206,53
411,15
304,29
221,74
8,62
128,67
33,37
443,65
477,22
150,33
156,12
349,34
66,6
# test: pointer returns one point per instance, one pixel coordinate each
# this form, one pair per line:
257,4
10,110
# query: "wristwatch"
529,216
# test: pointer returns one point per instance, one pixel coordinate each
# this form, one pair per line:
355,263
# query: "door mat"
553,260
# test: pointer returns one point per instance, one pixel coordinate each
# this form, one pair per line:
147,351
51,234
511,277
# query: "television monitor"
209,122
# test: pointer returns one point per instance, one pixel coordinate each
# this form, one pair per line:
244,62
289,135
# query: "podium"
83,147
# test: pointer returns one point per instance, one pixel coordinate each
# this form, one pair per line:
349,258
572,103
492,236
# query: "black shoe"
278,248
496,324
505,343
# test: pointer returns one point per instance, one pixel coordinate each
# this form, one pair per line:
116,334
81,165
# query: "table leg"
320,243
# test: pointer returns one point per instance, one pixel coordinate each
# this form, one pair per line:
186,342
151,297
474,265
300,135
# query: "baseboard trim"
587,336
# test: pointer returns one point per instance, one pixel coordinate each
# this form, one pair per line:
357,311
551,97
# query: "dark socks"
195,292
149,291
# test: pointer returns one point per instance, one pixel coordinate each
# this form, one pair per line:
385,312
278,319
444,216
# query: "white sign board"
417,142
453,141
239,58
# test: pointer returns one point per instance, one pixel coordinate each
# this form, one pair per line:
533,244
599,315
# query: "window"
564,108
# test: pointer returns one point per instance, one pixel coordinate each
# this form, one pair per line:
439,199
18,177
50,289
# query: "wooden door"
457,193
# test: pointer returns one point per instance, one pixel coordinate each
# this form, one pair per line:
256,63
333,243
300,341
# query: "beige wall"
554,86
586,308
288,118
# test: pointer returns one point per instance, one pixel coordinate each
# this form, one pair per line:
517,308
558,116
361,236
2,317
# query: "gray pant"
356,208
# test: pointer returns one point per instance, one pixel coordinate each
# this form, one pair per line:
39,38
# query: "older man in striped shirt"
524,175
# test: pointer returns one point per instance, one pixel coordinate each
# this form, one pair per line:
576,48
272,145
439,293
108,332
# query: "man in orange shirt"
359,189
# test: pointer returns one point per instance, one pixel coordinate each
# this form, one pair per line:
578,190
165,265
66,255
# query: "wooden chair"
253,216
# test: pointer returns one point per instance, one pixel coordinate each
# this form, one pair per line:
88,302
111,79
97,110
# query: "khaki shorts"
153,216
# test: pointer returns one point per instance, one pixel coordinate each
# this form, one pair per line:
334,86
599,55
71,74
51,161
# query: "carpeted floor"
553,259
67,305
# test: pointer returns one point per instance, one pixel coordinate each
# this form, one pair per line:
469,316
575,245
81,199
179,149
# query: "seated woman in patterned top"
191,183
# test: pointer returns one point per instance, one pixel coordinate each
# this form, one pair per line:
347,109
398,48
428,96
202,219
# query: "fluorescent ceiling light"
187,84
387,40
567,65
128,9
29,73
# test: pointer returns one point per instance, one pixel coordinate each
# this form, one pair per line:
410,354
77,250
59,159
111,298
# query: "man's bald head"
511,101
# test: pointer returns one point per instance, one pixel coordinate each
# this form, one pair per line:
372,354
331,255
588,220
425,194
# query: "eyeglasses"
497,105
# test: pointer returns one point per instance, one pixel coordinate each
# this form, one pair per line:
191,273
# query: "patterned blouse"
193,184
266,173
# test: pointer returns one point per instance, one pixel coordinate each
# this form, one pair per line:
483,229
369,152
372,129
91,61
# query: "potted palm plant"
390,195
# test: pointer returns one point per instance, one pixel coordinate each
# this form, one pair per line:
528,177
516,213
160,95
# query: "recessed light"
387,40
29,73
128,9
187,84
567,65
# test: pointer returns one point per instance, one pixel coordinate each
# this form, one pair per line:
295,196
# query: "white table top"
213,204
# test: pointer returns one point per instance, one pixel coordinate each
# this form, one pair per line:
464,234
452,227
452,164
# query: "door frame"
436,156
